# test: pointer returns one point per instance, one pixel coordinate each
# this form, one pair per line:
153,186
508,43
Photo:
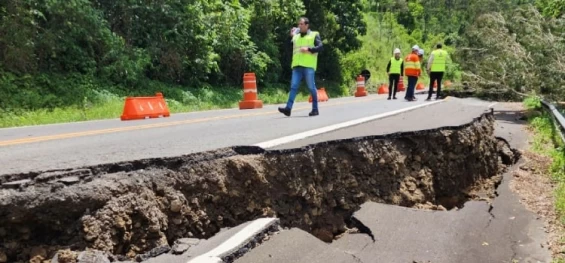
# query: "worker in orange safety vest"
413,71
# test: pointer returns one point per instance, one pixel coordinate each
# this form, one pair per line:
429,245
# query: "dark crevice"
356,223
135,207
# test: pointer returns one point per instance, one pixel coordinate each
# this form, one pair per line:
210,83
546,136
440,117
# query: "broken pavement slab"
226,245
470,234
293,246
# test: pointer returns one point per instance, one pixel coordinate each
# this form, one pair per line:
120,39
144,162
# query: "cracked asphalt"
504,231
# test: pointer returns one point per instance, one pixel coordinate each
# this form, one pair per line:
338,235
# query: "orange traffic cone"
400,86
250,100
361,92
383,89
420,86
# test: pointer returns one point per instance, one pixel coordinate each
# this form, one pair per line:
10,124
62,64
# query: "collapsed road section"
129,208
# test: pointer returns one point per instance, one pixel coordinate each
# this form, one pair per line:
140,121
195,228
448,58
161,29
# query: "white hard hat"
415,47
396,51
421,52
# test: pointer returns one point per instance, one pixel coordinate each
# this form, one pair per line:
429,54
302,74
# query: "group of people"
411,66
307,44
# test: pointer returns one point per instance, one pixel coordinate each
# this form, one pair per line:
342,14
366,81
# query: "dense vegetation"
78,58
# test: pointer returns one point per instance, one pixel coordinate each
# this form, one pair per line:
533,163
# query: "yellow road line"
157,125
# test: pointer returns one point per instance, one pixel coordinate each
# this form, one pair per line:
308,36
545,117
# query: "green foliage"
551,8
547,142
54,53
532,103
514,49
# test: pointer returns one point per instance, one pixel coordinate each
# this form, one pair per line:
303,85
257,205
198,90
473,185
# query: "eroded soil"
130,208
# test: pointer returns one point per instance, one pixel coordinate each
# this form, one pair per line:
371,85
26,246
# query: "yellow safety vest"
439,61
395,65
309,60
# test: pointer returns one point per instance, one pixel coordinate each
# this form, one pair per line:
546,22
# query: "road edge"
333,127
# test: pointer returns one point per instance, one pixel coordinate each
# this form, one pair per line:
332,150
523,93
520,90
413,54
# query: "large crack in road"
130,208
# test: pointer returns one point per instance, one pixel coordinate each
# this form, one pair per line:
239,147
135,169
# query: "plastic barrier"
136,108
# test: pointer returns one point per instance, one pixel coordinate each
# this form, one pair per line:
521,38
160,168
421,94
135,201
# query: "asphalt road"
71,145
505,232
452,112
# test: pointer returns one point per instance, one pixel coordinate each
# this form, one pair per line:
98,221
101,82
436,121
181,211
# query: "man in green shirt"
306,44
436,68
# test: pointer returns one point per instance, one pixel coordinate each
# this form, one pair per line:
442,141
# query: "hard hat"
396,51
415,47
421,52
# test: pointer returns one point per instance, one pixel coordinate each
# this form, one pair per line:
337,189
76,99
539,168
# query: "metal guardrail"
558,118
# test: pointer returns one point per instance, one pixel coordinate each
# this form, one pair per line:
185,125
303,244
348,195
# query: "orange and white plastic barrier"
136,108
322,95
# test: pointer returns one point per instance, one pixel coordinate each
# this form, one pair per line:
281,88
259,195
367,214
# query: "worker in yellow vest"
306,44
395,70
436,68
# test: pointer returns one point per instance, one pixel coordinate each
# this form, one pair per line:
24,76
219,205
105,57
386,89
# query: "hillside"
70,60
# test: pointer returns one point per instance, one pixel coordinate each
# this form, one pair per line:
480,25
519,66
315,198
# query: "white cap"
421,52
415,47
396,51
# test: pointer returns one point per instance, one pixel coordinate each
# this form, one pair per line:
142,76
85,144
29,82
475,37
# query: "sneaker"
285,111
314,113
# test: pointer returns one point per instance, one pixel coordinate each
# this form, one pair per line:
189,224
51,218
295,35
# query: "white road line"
235,242
306,134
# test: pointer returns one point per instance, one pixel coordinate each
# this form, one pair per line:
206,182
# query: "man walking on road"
306,44
436,68
394,69
412,70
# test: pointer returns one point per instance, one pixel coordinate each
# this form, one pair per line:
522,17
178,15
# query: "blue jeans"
297,74
411,87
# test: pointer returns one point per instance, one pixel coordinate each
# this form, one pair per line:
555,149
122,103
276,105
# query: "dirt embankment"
132,207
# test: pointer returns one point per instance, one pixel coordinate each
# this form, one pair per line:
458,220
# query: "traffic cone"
400,86
361,92
420,86
250,100
383,89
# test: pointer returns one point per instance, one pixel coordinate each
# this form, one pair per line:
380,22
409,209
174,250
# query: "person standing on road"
306,44
436,69
394,69
412,70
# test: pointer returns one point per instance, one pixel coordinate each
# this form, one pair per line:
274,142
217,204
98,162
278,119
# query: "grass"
109,105
547,142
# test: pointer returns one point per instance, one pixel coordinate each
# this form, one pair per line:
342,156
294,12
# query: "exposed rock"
92,257
183,244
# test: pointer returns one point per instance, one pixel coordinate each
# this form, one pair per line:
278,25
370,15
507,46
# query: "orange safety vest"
412,65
